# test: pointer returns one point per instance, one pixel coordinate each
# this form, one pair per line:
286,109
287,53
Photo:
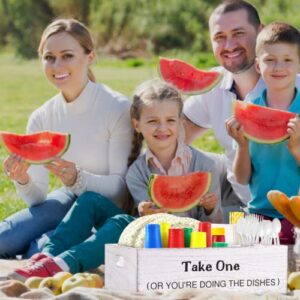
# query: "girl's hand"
63,169
294,139
16,168
208,202
236,131
148,208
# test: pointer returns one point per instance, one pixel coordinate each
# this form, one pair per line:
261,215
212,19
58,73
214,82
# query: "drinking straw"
234,216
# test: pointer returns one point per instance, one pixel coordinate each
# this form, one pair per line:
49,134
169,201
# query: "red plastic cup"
218,235
176,238
206,227
218,238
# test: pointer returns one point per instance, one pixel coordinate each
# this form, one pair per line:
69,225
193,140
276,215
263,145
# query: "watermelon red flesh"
36,148
179,193
262,124
186,77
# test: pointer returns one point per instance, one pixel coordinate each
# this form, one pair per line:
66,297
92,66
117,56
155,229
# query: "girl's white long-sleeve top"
99,124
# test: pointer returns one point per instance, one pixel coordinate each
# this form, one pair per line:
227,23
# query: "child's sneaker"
33,259
46,267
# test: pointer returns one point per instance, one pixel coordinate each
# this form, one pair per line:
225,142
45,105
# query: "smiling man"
233,27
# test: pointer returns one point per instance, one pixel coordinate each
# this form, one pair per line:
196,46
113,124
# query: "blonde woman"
97,119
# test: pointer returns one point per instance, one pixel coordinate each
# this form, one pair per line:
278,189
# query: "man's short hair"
278,32
234,5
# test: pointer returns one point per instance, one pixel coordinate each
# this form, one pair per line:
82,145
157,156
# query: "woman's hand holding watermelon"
16,168
63,169
294,140
148,208
235,130
208,202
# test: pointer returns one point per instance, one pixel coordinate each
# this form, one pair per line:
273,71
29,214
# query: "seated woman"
92,170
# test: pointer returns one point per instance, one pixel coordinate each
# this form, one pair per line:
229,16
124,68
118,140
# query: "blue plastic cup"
152,236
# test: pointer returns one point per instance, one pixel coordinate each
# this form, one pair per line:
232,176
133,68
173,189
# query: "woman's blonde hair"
144,95
76,29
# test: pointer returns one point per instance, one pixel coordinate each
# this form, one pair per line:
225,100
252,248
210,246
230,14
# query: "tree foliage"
127,27
26,20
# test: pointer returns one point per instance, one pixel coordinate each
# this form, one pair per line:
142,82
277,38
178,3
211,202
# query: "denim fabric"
74,241
19,230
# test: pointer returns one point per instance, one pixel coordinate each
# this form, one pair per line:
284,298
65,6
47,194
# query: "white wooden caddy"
256,269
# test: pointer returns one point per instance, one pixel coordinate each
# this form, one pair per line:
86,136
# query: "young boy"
265,167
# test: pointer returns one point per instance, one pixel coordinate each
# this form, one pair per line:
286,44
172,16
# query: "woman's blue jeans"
20,233
73,239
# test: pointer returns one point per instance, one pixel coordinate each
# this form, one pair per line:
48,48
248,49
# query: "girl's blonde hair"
144,95
74,28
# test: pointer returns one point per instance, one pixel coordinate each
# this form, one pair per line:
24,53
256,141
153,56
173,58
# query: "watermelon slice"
37,148
262,124
186,77
178,193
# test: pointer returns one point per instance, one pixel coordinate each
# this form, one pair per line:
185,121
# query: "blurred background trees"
126,28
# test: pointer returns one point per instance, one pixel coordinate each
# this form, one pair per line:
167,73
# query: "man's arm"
192,131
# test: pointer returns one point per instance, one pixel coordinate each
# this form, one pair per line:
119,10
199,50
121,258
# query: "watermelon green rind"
4,135
177,81
281,116
149,187
261,141
191,202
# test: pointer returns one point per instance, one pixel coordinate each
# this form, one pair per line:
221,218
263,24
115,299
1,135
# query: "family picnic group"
117,144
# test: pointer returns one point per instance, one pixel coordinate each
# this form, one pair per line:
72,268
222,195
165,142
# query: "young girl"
97,119
156,114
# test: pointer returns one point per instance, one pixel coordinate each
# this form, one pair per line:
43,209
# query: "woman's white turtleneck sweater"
99,124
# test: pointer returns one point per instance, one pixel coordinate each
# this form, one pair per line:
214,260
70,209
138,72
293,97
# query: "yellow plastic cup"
198,239
164,231
218,231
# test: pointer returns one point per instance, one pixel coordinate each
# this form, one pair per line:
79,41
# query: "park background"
129,35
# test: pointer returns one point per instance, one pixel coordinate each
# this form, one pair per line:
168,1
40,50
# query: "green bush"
128,28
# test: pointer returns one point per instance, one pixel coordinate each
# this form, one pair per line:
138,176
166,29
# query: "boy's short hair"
234,5
278,32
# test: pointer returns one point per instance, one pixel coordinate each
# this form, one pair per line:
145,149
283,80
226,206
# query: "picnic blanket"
11,289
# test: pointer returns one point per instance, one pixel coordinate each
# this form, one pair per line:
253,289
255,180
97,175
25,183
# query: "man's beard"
240,68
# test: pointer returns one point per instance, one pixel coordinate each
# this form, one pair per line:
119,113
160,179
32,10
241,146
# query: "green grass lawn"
23,88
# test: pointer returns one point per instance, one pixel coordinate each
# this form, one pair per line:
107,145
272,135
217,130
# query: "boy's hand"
294,139
147,208
208,202
236,131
